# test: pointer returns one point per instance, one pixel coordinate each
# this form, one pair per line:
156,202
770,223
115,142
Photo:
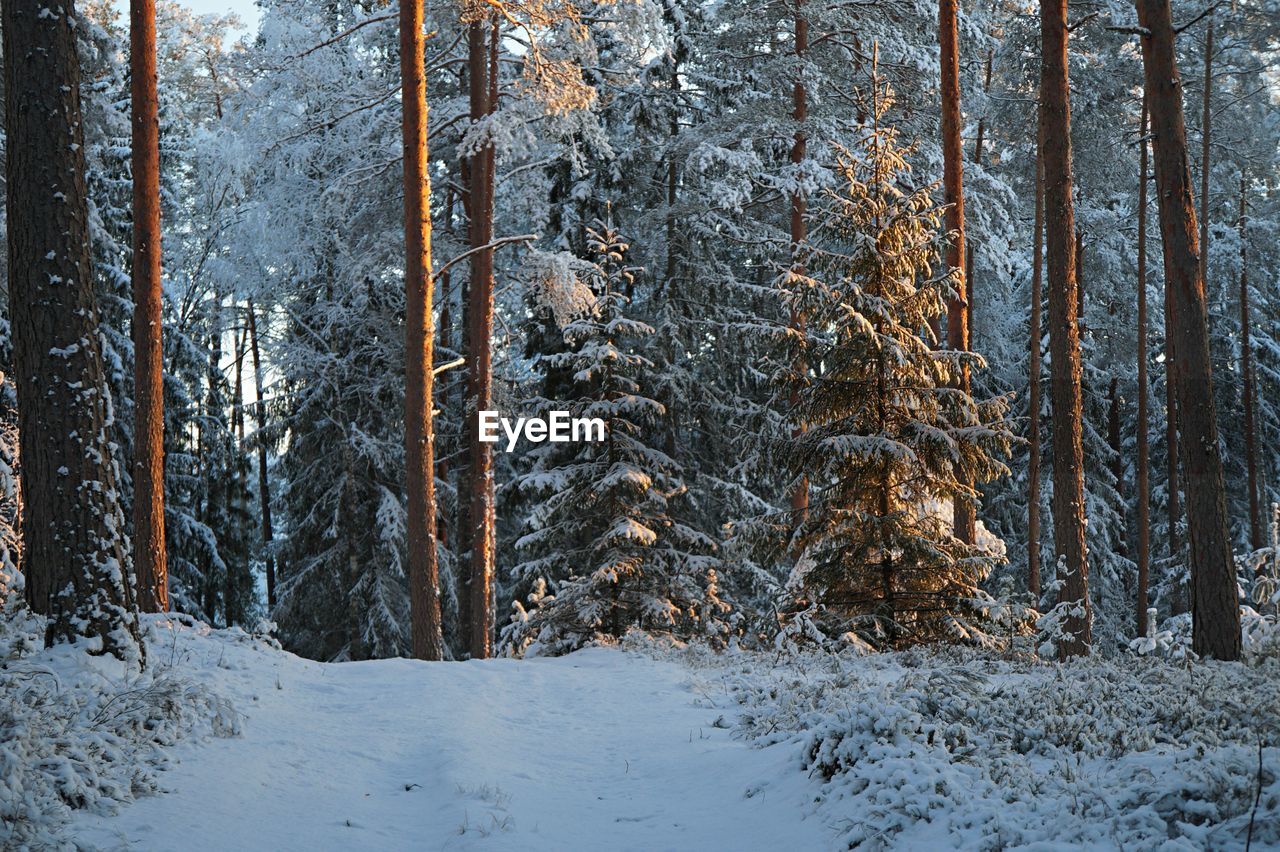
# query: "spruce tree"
602,528
892,438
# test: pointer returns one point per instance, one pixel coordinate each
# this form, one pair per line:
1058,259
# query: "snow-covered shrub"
81,732
950,747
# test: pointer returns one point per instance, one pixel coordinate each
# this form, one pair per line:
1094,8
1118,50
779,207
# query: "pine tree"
482,69
603,534
893,438
1069,507
148,416
1215,610
424,585
76,551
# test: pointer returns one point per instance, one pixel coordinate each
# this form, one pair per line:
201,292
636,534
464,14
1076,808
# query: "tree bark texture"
1033,381
149,555
424,587
1064,333
76,553
964,517
1143,497
481,87
1215,610
264,481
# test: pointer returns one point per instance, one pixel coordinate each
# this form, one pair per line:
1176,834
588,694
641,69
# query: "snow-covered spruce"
603,531
881,437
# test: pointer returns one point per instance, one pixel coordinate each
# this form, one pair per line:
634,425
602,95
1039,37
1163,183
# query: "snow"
600,749
228,742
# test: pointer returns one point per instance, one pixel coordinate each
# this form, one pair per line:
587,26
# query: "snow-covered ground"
603,749
645,747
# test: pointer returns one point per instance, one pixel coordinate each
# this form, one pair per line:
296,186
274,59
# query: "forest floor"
603,749
226,742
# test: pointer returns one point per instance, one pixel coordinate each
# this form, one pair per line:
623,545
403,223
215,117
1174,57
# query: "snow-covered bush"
81,732
953,747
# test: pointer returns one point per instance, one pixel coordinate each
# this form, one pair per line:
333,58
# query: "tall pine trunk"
1064,334
149,557
1033,380
1143,497
970,250
1215,610
235,582
979,139
481,85
799,231
1206,152
214,494
76,553
1246,374
264,482
1174,505
953,192
424,590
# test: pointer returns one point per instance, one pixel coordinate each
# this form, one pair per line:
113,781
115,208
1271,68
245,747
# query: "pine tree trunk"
1206,155
149,556
1081,321
1174,505
1033,381
671,17
1113,443
264,483
462,485
444,341
237,572
799,231
1215,610
424,590
213,492
953,192
1246,373
76,553
979,140
1064,333
481,318
1142,463
968,292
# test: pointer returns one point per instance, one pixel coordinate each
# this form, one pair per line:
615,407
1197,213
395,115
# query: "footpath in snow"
602,749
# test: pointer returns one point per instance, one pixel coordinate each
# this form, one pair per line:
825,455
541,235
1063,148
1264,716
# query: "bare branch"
1197,19
1138,31
1080,23
522,238
348,31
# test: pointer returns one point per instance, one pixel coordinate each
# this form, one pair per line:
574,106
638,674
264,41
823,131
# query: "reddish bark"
1215,610
799,232
1064,333
1033,427
1143,464
953,194
149,555
424,591
1246,373
481,84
